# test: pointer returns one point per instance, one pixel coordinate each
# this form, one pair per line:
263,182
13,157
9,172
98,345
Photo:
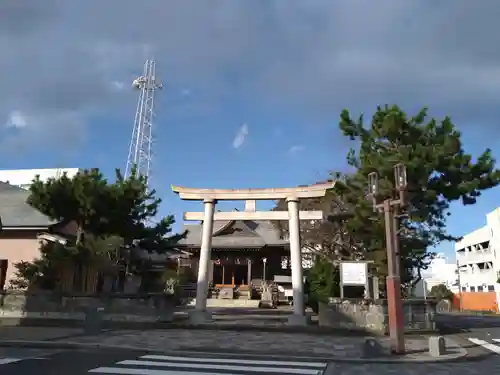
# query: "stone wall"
146,307
371,315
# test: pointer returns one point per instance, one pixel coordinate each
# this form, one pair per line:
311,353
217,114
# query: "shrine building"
244,252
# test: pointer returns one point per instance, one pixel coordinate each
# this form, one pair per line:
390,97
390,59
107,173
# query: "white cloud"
240,136
295,149
118,85
16,119
41,130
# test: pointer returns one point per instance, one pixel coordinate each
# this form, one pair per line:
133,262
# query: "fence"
373,315
159,307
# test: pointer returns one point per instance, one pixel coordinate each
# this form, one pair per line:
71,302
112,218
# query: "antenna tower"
140,150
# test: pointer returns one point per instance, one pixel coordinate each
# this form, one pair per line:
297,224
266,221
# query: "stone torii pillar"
293,215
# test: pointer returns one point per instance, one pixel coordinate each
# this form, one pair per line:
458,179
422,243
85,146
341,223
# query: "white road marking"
5,361
485,344
232,360
213,366
257,355
141,371
177,365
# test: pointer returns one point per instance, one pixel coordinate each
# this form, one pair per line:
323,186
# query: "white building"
478,256
440,271
24,177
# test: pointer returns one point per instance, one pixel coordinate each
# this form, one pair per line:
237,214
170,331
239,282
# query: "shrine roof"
236,234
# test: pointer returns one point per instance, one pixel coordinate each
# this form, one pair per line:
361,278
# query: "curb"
284,329
182,323
461,355
314,330
69,345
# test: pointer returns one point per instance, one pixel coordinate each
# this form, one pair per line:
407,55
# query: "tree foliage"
439,171
327,238
441,292
323,281
111,219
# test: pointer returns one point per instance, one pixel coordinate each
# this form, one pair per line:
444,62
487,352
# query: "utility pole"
390,207
459,287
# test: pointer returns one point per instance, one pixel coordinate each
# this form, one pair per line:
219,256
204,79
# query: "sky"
252,89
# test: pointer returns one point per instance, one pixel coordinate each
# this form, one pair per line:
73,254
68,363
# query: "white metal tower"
140,150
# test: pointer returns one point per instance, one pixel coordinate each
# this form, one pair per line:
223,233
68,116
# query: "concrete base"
437,346
299,320
199,317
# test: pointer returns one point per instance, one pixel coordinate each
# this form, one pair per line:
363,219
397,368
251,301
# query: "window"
472,288
479,288
464,289
491,288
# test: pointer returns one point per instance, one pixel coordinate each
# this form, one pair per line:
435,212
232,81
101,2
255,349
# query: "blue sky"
281,70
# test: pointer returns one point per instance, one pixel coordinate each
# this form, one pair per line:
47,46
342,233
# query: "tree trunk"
79,235
67,273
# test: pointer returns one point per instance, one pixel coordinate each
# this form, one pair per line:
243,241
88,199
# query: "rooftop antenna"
140,150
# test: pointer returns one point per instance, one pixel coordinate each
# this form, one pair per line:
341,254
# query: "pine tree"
111,218
439,171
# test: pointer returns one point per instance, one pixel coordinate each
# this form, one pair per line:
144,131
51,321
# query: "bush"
441,292
322,282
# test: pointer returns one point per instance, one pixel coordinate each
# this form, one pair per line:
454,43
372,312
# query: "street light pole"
390,208
459,287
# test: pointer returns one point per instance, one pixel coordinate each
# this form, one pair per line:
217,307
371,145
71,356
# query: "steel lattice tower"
140,150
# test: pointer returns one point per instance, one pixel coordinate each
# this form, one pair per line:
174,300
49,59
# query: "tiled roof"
236,234
15,212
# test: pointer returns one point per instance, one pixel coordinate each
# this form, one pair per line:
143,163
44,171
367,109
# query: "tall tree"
81,199
110,217
439,171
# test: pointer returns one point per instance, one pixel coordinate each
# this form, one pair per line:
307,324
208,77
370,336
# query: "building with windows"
478,260
23,177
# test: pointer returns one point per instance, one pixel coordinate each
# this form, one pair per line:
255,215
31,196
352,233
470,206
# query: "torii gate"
293,215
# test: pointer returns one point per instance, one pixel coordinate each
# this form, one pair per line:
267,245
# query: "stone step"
215,302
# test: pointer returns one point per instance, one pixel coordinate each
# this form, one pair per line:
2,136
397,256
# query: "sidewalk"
38,333
331,347
259,342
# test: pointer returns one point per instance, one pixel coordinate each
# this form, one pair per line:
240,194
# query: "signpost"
354,274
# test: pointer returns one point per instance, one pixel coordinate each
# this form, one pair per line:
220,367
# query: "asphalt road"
20,361
79,362
480,335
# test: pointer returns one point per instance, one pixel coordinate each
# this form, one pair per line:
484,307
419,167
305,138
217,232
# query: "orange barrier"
476,301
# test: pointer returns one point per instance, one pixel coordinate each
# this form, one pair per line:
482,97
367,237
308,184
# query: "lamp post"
390,207
459,287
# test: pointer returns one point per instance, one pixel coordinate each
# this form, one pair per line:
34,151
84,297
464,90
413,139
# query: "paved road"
479,334
88,362
80,362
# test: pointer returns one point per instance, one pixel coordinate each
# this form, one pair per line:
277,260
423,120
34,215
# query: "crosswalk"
495,348
210,365
7,360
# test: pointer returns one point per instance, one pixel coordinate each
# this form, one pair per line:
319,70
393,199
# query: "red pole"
394,302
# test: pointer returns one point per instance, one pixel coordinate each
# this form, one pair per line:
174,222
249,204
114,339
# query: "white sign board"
353,273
